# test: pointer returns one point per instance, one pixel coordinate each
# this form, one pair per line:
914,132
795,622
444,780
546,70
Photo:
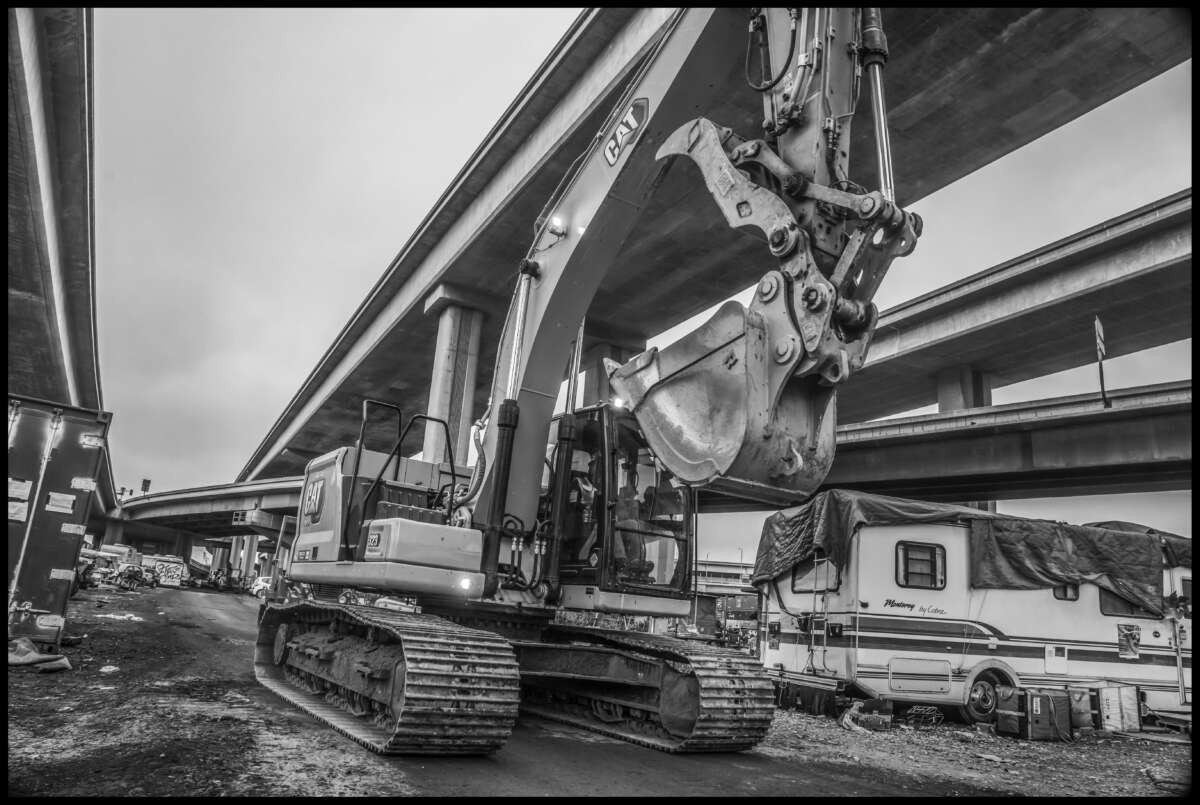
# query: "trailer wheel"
981,699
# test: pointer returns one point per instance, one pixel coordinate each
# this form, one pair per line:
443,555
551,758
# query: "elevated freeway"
1055,447
52,347
1046,448
1033,315
948,114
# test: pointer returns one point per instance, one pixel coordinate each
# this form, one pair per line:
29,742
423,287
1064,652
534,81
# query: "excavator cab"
628,527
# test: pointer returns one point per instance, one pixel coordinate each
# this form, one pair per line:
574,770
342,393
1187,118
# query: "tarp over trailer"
1005,552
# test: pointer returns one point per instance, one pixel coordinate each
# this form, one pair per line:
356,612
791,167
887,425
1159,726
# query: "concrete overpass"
52,349
239,519
1045,448
1032,316
456,271
1057,447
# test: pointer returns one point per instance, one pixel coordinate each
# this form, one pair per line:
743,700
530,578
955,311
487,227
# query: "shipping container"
54,455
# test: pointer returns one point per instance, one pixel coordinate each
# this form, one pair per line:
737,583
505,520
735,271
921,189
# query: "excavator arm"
746,403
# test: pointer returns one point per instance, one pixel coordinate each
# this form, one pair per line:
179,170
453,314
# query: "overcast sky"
258,169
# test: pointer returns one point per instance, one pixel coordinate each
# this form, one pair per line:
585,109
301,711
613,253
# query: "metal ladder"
818,614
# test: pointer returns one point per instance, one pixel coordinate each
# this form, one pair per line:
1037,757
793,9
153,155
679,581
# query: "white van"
938,604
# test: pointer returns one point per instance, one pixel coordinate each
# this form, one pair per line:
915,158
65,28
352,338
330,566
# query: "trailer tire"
981,698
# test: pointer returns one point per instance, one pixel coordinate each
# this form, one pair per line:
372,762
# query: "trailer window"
828,577
920,564
1113,604
1067,592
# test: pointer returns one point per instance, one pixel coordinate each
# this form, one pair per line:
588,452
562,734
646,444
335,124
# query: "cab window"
650,513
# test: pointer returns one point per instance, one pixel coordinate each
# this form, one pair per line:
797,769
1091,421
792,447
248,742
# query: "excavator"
439,605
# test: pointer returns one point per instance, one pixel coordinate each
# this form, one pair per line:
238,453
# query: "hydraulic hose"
477,474
763,48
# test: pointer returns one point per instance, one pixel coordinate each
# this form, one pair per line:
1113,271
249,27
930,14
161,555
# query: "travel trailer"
874,596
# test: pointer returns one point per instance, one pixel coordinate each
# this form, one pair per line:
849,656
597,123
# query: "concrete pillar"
114,532
452,387
234,561
249,554
595,378
961,387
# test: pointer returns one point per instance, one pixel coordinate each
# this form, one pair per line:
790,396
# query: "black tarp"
1005,551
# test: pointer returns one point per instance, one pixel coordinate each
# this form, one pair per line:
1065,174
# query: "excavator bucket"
705,407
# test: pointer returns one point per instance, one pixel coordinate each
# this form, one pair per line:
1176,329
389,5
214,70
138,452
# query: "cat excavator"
437,605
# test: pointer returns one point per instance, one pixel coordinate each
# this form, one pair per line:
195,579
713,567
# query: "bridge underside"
964,88
1048,448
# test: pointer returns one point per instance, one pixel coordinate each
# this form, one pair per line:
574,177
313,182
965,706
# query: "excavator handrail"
395,451
344,548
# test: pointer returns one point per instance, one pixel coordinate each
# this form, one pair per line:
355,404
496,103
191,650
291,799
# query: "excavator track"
395,682
728,698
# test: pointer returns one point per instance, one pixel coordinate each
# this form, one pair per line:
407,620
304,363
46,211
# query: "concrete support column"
452,387
114,532
249,553
961,387
595,378
235,553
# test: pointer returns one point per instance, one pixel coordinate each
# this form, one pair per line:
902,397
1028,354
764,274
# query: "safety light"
618,402
581,230
556,227
464,583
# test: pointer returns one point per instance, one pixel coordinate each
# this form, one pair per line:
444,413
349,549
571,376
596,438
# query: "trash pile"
1038,714
22,651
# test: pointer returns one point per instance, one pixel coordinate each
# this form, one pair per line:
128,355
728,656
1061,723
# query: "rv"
881,597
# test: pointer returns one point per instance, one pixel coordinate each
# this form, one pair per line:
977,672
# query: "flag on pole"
1100,353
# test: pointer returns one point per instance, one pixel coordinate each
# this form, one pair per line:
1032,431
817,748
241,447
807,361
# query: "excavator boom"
746,404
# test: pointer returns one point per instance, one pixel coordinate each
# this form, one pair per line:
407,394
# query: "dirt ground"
161,701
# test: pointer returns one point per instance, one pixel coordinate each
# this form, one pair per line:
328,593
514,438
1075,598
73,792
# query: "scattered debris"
58,664
108,669
992,758
923,715
73,640
128,616
1159,737
848,719
22,651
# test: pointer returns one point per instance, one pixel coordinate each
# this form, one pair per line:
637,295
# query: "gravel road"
181,715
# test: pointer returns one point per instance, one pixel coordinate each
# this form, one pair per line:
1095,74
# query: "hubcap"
983,697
